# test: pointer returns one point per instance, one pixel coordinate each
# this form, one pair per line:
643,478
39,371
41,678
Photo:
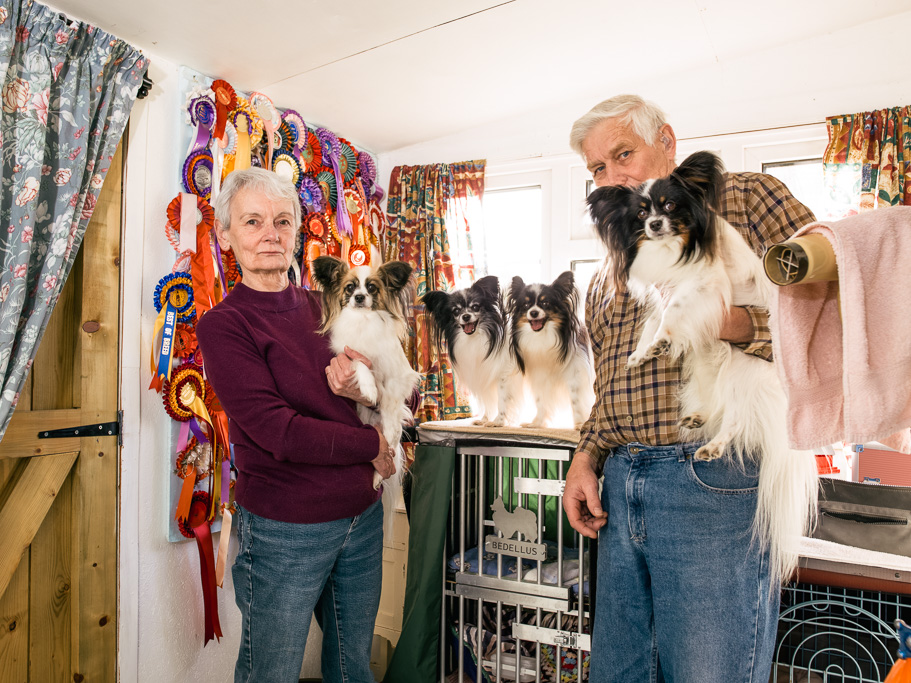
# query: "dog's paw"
711,451
693,421
659,347
498,421
532,425
480,422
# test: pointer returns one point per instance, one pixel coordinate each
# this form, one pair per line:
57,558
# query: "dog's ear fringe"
396,274
327,270
702,172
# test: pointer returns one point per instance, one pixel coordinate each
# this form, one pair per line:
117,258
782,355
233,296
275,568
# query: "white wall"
161,618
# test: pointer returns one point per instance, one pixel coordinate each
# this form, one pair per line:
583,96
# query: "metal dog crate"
837,634
518,588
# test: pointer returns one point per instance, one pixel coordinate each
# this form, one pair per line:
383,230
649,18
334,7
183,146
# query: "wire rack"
837,634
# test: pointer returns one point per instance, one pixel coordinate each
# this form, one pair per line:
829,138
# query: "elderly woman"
309,521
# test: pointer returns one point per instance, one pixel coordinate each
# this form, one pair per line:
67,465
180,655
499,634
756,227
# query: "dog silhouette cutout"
519,521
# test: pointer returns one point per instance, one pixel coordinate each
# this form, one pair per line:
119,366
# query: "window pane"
805,180
512,231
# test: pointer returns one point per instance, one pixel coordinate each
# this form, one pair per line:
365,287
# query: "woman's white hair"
644,117
259,179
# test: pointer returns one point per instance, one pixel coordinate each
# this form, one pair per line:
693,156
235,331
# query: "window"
805,180
513,233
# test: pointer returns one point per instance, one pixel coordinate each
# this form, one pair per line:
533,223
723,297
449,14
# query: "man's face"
616,155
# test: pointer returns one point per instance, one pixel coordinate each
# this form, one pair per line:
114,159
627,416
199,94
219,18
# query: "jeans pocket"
724,475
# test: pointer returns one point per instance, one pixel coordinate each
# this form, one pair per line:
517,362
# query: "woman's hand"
340,374
384,463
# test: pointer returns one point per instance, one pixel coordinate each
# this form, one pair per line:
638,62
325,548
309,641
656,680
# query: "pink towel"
848,377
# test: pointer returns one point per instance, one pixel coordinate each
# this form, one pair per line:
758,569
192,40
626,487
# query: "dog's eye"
371,289
669,206
642,215
349,288
475,307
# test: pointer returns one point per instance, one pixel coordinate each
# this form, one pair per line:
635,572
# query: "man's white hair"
644,117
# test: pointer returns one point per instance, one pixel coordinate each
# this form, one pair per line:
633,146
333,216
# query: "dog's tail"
788,482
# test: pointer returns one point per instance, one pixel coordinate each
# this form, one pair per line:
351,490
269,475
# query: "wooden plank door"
59,498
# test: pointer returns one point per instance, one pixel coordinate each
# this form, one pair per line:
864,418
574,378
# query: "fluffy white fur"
554,383
377,333
728,396
494,380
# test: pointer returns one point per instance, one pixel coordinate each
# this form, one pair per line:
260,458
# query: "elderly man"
685,594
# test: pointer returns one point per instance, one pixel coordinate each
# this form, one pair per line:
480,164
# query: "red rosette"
178,392
229,264
311,154
316,225
376,219
358,255
199,513
184,341
354,203
225,101
204,214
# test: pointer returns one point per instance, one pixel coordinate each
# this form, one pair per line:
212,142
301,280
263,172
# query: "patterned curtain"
868,160
66,94
431,208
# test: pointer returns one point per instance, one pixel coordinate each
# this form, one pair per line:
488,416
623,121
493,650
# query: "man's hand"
737,327
580,497
340,374
384,463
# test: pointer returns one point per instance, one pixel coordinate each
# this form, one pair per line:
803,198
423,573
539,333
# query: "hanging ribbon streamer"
266,110
165,324
196,525
331,148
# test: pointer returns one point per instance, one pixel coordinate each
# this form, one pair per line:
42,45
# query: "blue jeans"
684,594
283,572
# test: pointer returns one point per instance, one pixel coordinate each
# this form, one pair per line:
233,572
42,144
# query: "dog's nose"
466,317
656,225
359,298
532,314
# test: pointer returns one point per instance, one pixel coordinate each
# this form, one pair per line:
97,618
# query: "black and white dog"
472,324
667,245
550,346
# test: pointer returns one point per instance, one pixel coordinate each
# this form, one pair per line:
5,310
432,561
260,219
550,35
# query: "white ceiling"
394,73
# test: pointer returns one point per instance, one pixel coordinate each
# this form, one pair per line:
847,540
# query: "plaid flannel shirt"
641,405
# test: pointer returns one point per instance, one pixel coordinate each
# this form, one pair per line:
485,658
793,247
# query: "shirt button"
629,418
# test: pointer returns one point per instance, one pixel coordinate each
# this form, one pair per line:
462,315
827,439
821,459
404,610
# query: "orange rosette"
225,101
358,255
184,341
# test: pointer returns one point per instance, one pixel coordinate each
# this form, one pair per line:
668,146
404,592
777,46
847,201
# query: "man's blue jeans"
283,572
684,593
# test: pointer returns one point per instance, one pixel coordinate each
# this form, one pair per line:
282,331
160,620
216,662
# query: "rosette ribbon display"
197,220
225,101
266,110
332,149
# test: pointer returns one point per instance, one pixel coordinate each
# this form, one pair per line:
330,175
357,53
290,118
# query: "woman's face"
262,233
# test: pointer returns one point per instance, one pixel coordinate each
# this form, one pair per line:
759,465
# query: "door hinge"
91,430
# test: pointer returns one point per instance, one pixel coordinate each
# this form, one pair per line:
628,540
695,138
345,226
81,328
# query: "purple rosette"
311,194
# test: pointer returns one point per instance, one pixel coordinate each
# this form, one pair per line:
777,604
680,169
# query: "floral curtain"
431,210
868,160
66,94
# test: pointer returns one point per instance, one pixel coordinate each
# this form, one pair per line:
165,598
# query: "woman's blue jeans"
684,593
284,572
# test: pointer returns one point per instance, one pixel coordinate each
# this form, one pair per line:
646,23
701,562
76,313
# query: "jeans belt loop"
681,453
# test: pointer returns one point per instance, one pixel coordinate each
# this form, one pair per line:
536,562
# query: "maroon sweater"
302,454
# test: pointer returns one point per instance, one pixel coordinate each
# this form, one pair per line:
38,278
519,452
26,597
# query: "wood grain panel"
96,494
26,507
50,602
14,626
21,438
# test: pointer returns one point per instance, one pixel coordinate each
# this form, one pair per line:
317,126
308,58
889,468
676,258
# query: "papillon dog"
472,323
364,309
675,255
550,346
